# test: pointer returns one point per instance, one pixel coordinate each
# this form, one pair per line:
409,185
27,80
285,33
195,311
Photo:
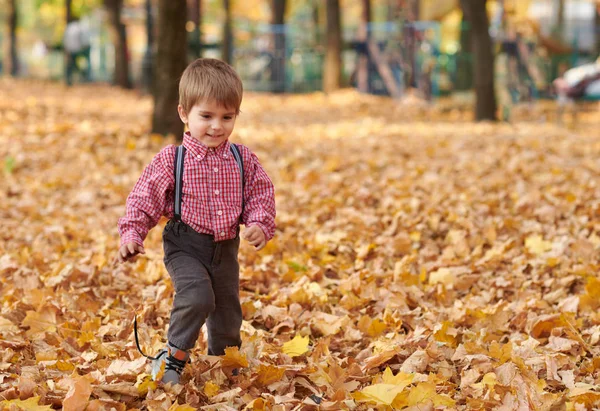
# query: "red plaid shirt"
212,193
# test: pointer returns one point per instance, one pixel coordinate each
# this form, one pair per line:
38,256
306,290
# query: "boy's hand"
255,236
128,251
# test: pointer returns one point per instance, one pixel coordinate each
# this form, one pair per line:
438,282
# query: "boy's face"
209,122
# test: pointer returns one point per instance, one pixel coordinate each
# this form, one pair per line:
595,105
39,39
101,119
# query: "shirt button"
220,212
217,192
216,170
199,156
222,232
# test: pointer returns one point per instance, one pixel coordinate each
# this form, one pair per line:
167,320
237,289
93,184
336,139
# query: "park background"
438,238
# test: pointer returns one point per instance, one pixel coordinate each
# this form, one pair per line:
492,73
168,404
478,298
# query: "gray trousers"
206,277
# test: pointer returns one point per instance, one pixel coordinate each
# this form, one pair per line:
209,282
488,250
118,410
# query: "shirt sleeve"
259,197
147,201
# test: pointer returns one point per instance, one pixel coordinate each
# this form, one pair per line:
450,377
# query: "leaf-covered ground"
421,261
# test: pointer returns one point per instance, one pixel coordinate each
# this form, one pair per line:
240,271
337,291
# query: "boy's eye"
228,117
205,116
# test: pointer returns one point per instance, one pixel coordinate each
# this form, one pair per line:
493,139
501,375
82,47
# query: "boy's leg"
186,261
225,321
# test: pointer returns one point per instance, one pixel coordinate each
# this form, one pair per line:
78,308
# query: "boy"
201,240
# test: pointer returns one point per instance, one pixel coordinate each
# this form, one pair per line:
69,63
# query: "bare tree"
485,102
227,40
277,66
171,60
118,35
362,70
333,58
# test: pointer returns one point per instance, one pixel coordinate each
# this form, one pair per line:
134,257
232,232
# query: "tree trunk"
148,59
362,69
559,24
118,35
411,42
171,60
194,15
227,39
68,10
464,63
333,58
12,65
485,101
597,25
277,66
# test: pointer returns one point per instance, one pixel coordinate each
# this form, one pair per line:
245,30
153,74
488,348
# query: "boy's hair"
210,79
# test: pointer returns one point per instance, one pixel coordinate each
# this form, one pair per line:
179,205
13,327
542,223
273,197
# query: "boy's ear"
182,114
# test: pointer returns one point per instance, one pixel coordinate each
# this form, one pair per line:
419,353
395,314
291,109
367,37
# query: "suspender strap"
179,156
238,158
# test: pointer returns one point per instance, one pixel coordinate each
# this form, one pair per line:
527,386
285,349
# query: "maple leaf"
268,374
233,358
296,346
536,244
30,404
210,389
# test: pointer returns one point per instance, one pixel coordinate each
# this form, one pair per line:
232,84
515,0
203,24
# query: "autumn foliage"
421,261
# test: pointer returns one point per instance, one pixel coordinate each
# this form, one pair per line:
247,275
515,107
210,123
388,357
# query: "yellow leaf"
40,321
400,379
443,275
376,328
426,391
268,374
536,244
297,346
46,356
30,404
443,333
256,405
233,358
64,365
183,407
78,396
381,394
211,389
145,383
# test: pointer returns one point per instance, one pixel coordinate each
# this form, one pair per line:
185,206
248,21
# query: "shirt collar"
199,150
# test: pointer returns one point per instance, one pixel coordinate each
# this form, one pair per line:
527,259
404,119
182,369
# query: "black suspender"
238,158
179,157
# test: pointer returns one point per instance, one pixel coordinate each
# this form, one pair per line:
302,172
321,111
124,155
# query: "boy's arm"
146,202
259,197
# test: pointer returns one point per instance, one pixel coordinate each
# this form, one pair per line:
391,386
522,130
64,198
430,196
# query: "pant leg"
186,260
225,321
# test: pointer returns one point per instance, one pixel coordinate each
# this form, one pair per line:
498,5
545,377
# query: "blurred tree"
227,38
11,59
195,16
485,101
118,36
559,24
464,57
171,60
362,70
148,59
410,40
333,58
597,25
277,66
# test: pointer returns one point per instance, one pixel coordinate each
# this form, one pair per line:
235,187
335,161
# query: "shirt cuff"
131,237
